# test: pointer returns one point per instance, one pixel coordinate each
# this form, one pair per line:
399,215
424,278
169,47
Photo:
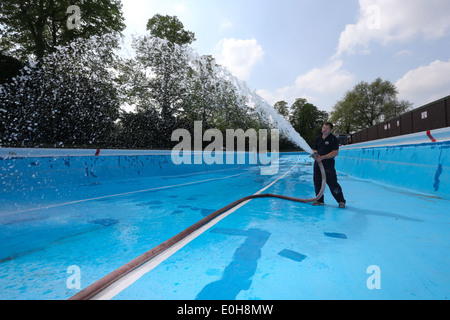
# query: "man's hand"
314,155
331,155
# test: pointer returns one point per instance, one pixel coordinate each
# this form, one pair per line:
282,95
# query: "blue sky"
317,49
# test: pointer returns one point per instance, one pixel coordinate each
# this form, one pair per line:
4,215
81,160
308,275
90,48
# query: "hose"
112,277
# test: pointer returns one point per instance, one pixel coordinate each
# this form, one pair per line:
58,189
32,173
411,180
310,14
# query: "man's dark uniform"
324,147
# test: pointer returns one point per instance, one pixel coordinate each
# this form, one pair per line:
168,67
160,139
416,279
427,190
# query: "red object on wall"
430,136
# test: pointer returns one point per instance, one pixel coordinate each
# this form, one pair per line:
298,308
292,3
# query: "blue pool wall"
30,169
409,163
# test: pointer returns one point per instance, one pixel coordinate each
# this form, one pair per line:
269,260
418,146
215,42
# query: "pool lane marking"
127,193
128,279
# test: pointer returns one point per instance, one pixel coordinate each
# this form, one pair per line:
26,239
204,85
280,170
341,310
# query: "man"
326,146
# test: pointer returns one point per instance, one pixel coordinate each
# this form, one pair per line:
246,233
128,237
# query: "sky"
317,49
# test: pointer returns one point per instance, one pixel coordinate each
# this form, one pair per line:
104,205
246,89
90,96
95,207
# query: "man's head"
327,128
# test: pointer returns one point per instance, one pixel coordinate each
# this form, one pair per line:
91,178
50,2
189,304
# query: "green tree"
9,68
172,87
163,65
140,129
342,116
368,104
307,119
38,27
282,108
67,99
157,82
212,99
169,28
160,80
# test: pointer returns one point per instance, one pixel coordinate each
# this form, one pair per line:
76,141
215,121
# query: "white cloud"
319,86
181,7
287,94
404,54
239,56
426,83
225,24
387,21
270,97
328,79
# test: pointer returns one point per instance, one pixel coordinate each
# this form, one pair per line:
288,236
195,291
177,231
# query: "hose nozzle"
314,155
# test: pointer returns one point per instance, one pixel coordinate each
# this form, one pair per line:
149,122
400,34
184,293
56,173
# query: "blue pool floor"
267,249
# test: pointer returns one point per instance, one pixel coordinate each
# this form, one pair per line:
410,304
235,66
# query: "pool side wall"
406,161
28,169
422,167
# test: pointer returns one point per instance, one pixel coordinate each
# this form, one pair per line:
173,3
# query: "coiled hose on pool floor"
112,277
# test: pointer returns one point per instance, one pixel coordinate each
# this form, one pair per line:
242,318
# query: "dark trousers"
332,183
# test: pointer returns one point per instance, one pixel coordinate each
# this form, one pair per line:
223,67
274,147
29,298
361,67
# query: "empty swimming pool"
67,221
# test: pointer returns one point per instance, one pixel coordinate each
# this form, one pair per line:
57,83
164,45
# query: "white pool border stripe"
124,282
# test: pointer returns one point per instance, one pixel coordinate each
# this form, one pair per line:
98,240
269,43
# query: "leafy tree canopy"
282,108
307,119
38,27
366,105
170,28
